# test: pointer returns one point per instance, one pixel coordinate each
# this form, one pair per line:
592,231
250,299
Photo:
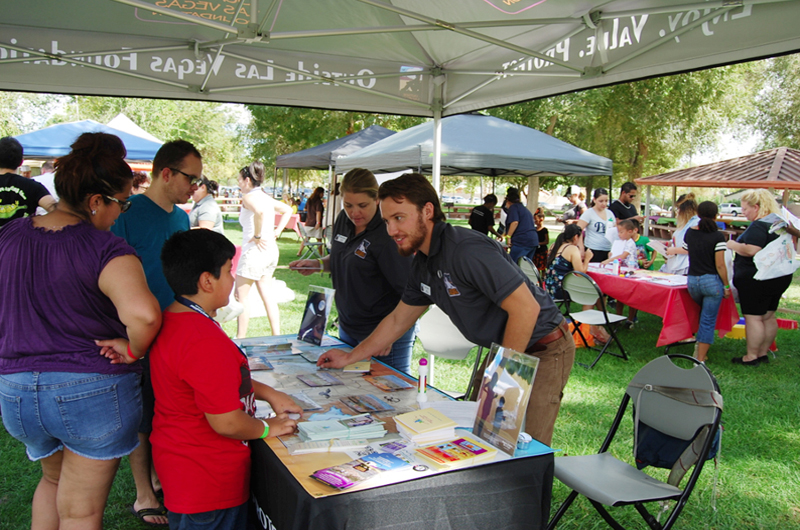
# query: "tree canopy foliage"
776,111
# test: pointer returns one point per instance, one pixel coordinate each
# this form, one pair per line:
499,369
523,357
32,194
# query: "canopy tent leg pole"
285,186
437,134
647,213
533,194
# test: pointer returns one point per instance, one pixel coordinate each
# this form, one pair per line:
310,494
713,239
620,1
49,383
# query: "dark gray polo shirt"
468,276
368,273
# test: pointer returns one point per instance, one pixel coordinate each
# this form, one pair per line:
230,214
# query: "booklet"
389,383
361,367
456,453
315,317
259,363
357,471
425,426
504,394
304,402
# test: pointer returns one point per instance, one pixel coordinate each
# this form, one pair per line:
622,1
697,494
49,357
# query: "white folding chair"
312,248
530,270
583,290
440,337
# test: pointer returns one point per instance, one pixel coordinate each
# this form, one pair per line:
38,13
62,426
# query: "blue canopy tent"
55,141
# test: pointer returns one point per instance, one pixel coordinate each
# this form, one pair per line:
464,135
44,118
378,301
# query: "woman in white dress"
259,245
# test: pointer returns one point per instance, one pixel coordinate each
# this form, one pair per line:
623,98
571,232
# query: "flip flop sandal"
149,512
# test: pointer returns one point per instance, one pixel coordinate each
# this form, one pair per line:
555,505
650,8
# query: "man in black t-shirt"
19,196
482,217
624,208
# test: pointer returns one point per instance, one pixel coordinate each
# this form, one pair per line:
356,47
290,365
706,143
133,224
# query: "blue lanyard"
194,306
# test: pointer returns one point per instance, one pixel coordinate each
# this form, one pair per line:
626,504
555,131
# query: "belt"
560,331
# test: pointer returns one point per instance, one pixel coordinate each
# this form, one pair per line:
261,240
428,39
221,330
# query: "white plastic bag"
729,265
776,259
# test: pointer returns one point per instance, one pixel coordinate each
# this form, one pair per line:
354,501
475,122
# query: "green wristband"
266,429
321,266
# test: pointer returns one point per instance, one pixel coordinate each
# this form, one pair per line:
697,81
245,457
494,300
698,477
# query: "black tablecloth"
506,495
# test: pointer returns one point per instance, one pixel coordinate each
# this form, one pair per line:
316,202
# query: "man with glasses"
151,219
624,208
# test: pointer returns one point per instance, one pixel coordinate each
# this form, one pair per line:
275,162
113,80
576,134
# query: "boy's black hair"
187,255
10,153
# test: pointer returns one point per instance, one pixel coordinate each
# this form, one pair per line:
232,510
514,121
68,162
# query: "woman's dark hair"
570,231
212,187
254,172
707,211
187,255
95,165
139,178
316,196
414,188
597,193
512,194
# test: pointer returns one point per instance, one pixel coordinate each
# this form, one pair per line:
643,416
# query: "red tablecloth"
291,225
681,315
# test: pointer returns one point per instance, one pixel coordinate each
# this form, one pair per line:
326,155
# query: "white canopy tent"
413,57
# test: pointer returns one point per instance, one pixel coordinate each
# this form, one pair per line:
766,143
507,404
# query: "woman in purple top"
71,291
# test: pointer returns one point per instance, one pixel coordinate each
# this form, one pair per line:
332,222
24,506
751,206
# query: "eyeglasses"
124,206
192,179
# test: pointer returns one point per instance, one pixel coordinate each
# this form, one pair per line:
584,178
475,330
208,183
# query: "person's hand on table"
306,267
282,403
281,425
334,358
116,350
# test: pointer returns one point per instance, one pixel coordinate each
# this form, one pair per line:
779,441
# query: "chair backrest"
530,270
659,393
581,288
440,337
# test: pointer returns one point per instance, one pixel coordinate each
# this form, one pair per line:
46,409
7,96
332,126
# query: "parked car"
730,208
654,209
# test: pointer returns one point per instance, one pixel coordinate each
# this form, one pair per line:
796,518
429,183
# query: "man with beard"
471,278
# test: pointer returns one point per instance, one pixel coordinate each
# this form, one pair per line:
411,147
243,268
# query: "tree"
211,127
776,113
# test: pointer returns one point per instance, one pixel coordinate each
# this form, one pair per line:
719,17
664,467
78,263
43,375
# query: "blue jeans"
93,415
707,291
399,357
227,519
517,252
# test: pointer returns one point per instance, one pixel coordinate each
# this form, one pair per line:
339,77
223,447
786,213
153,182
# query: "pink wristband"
131,353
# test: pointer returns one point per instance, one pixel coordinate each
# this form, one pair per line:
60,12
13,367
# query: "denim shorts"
227,519
93,415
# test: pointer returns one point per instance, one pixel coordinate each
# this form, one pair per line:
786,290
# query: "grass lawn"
757,484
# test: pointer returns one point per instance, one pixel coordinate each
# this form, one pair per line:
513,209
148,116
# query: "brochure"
389,383
315,317
425,426
305,402
504,394
320,379
357,471
366,403
259,363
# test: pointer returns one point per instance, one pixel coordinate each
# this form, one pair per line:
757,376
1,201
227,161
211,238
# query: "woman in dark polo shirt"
368,273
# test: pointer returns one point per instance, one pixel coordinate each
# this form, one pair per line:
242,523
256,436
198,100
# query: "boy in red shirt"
205,399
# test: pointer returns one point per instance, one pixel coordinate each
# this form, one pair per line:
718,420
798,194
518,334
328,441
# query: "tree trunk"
637,164
552,126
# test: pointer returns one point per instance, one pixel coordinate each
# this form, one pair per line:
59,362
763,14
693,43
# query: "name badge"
341,238
425,289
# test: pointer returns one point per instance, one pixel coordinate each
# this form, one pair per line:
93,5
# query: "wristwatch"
256,237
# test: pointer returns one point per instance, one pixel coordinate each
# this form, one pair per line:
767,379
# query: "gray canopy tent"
323,156
413,57
473,144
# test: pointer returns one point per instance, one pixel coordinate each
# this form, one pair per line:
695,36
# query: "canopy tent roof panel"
473,144
55,141
324,156
776,168
396,56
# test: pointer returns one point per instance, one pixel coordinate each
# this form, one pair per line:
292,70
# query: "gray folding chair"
312,248
441,338
678,408
530,270
583,290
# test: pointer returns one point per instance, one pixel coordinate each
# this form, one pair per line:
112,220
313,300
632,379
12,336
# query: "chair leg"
613,335
562,510
647,516
474,372
606,516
